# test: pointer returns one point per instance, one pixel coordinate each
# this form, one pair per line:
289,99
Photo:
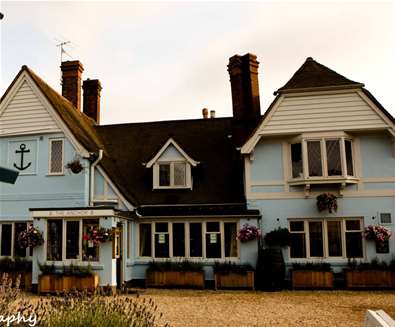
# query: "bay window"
209,239
9,233
322,158
70,239
326,238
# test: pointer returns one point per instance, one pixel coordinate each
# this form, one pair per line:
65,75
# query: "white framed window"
322,158
326,238
56,157
191,239
9,246
67,239
175,174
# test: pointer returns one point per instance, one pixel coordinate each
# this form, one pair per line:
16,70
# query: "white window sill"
323,180
57,174
172,188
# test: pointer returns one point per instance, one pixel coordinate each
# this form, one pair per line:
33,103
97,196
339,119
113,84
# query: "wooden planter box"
58,283
370,279
234,280
25,281
312,279
182,279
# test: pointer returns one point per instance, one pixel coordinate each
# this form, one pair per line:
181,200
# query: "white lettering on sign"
213,238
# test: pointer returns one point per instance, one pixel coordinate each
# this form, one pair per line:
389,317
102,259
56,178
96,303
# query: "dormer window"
322,159
173,174
171,167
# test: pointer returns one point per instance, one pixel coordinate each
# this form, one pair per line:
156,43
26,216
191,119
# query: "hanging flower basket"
98,235
75,166
31,237
327,201
377,233
248,233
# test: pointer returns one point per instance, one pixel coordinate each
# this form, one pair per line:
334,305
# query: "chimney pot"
71,82
243,71
91,104
212,113
205,113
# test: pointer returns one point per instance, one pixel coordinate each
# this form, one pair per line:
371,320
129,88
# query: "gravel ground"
287,308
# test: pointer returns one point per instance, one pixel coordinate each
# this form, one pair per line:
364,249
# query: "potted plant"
232,275
312,275
75,166
280,237
15,268
248,233
71,277
327,201
372,274
380,235
175,274
31,237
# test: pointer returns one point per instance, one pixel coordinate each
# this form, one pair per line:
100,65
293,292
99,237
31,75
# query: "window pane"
54,237
335,239
72,239
354,245
161,227
316,242
90,250
213,245
296,226
298,245
164,175
385,218
333,158
353,225
161,240
314,155
56,156
350,169
195,242
178,239
6,236
145,240
296,157
18,251
230,239
179,174
212,227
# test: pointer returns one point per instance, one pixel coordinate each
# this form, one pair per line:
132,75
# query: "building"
170,190
323,133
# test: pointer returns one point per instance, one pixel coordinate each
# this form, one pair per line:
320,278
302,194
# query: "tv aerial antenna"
61,45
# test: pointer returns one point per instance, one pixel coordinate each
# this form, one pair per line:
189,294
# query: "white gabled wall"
26,114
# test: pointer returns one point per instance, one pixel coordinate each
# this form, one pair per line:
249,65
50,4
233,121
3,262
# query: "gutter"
92,177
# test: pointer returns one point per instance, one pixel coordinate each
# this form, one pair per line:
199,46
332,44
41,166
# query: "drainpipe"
92,177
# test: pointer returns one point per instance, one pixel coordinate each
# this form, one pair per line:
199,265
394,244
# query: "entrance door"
118,250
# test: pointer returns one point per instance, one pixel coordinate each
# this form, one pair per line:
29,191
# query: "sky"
167,60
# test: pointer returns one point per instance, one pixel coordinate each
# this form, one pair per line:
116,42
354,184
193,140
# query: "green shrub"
227,267
170,265
375,264
66,270
17,264
312,266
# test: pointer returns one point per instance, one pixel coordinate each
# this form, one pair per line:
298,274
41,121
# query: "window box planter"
182,279
25,278
370,278
54,283
234,280
303,279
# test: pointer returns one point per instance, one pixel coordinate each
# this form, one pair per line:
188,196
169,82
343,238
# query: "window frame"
12,256
187,240
325,239
303,140
64,226
50,157
172,163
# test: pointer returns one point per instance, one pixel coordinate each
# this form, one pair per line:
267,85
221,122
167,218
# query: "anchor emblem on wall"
22,151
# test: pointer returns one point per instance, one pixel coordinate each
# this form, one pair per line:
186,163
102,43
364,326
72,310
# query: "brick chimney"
91,104
243,71
71,81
